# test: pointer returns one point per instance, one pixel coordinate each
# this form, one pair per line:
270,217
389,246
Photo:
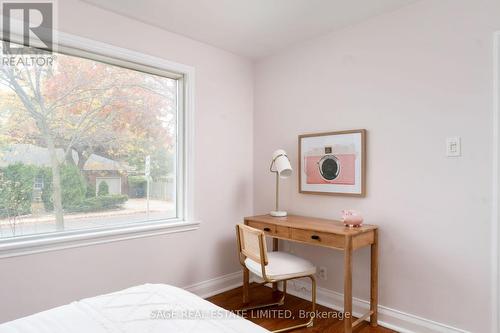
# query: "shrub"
137,186
73,187
99,203
90,191
103,189
137,181
16,189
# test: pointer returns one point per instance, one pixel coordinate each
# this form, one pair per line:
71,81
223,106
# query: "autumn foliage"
86,107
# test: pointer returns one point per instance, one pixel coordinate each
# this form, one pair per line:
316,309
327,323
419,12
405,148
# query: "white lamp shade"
282,163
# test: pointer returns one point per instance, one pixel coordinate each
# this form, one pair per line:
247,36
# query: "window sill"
31,245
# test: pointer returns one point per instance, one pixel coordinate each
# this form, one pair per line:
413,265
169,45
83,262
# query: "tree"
139,115
84,107
27,83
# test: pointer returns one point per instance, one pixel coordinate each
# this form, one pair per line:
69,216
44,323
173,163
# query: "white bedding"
148,308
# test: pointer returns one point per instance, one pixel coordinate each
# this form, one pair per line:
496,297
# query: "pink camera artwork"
351,218
331,165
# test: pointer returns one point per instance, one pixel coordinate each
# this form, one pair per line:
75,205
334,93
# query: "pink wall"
411,78
224,106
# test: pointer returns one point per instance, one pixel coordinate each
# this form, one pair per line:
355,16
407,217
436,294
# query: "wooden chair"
272,267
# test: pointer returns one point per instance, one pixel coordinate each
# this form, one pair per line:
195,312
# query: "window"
38,183
88,143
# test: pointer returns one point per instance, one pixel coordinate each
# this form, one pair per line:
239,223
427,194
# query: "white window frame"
185,221
39,185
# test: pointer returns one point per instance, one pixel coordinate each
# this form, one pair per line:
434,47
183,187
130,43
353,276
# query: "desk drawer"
318,238
269,229
283,232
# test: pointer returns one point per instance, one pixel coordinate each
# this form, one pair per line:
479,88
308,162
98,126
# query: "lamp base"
278,213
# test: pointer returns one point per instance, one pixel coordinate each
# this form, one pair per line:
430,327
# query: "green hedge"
99,203
73,187
90,191
16,189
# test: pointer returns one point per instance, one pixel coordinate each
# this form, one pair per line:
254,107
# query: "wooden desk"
332,234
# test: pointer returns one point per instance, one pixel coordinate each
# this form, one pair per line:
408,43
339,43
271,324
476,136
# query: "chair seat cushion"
282,266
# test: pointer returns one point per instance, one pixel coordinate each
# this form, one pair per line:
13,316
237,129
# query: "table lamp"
280,165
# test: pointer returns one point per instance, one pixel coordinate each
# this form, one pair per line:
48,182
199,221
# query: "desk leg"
348,285
246,285
374,280
275,248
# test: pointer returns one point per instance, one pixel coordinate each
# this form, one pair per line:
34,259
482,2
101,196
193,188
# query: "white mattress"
148,308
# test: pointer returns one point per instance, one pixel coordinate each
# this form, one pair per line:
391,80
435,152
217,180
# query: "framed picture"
333,163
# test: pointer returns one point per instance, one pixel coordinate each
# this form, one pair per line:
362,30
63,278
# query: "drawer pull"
267,229
315,237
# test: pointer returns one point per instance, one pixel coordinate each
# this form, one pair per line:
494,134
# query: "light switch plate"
453,147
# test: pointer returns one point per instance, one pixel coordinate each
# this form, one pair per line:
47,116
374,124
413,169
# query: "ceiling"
251,28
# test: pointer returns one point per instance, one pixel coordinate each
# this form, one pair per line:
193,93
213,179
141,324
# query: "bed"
148,308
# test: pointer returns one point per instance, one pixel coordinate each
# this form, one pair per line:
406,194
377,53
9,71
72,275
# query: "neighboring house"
97,169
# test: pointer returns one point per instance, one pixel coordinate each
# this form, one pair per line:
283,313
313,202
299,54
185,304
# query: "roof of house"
35,155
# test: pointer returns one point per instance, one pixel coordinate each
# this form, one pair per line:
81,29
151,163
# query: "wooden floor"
231,300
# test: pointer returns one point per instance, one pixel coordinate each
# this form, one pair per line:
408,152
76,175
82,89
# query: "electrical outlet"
323,273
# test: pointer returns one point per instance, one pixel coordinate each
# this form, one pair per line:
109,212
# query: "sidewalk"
131,206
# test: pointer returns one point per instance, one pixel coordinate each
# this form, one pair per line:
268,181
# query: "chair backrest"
252,243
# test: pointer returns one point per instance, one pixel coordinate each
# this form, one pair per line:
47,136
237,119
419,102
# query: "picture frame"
333,163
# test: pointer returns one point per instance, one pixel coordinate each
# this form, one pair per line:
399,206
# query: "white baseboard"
216,285
387,317
390,318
